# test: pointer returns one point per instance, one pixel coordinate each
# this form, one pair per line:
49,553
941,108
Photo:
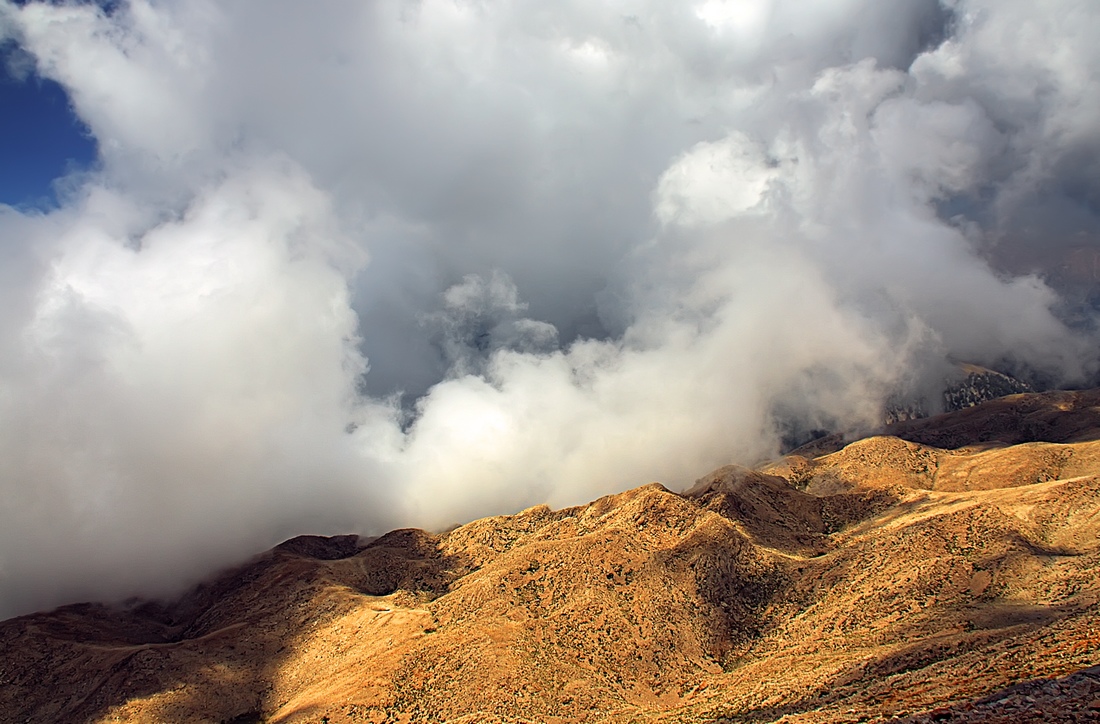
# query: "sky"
41,139
272,268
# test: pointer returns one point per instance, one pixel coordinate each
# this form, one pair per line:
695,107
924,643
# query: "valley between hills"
943,570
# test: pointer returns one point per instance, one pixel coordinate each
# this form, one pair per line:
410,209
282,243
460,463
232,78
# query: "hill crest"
938,563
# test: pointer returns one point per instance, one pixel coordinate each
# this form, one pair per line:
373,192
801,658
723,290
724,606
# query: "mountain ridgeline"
943,570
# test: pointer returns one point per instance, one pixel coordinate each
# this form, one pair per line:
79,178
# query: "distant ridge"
975,385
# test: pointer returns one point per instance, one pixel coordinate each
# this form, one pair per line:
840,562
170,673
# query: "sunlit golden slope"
937,563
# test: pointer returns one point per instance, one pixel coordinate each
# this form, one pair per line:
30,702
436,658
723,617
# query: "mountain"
944,570
980,384
969,385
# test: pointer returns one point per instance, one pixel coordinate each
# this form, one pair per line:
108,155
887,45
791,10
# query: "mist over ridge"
342,269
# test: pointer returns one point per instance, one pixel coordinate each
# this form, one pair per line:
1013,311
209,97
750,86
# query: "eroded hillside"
938,563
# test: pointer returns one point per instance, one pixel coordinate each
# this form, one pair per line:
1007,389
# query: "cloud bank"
355,266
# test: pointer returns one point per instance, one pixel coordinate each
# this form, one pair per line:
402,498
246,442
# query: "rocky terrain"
969,385
945,570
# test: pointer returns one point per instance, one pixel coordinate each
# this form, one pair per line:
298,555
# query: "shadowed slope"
1060,416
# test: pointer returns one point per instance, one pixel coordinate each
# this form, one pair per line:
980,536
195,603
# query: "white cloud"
596,244
714,182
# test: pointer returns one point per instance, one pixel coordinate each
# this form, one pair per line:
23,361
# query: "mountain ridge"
927,567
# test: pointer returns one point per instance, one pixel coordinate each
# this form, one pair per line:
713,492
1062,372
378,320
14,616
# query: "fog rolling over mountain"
347,268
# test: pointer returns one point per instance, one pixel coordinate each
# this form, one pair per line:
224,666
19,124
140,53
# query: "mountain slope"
884,577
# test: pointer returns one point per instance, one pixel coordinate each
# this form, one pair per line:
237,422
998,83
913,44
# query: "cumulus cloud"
350,267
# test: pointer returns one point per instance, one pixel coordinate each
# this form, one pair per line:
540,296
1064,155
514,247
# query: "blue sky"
41,139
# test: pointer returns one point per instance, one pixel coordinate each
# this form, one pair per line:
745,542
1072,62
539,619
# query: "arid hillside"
943,571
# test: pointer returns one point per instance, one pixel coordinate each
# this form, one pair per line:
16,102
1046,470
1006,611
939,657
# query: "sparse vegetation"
892,577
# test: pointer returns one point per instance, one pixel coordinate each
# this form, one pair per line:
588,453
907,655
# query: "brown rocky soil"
944,571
